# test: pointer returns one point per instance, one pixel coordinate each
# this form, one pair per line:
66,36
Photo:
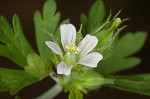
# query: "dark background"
137,10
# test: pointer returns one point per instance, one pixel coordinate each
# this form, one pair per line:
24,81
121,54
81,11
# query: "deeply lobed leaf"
47,29
95,17
15,46
36,66
134,83
121,57
46,25
14,80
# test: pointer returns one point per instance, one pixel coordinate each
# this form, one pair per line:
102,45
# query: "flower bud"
116,23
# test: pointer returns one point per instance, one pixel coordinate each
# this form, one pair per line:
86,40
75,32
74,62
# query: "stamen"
77,49
68,53
76,52
67,47
72,49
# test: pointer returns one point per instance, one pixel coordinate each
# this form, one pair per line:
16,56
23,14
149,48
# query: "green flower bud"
116,23
108,37
79,36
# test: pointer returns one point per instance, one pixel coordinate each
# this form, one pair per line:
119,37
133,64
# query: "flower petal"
91,60
54,47
62,68
87,44
68,34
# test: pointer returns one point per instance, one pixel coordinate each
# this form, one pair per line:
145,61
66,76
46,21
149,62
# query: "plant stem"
51,93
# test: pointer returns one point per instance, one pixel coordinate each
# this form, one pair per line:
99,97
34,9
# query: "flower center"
70,57
72,48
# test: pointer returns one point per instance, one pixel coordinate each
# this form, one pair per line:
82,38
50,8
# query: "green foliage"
14,80
107,42
15,46
57,34
95,17
46,25
136,83
108,35
121,58
75,94
82,81
36,66
84,23
106,32
96,14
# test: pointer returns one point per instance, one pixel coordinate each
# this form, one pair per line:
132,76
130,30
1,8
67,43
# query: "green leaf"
25,47
49,9
122,64
121,57
84,22
15,46
36,66
132,43
3,86
96,14
136,83
57,34
14,80
95,17
46,25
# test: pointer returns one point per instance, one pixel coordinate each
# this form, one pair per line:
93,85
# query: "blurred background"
138,11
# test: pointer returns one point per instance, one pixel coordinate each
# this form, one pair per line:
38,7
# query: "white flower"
74,54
